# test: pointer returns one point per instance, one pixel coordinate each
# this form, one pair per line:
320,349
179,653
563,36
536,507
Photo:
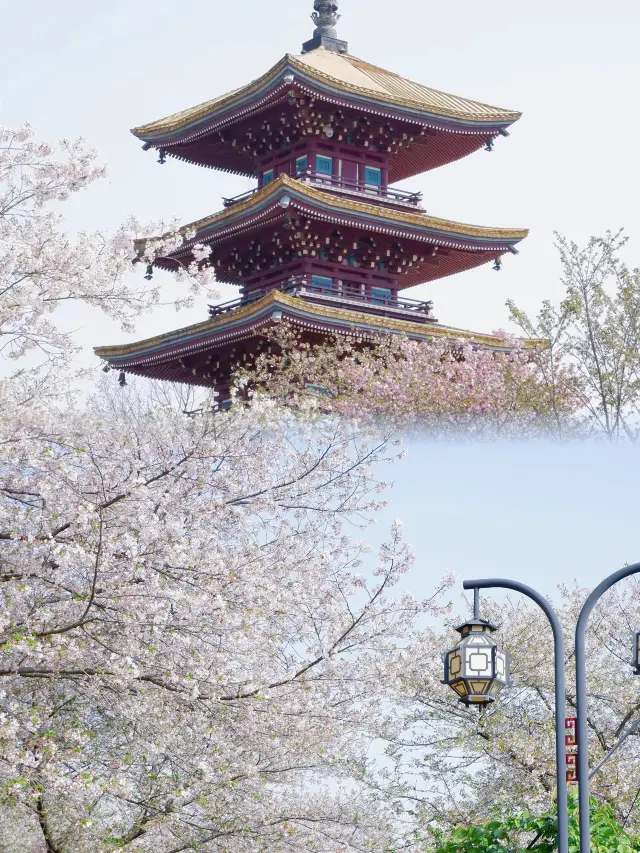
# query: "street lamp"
475,668
559,690
559,682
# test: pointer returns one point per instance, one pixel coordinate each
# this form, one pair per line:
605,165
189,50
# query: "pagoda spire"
325,16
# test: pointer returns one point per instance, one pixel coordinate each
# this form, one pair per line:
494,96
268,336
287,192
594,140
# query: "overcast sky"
94,69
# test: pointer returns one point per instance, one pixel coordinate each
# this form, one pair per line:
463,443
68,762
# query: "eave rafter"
205,345
288,219
198,135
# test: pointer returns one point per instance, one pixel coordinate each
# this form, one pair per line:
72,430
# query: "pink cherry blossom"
444,387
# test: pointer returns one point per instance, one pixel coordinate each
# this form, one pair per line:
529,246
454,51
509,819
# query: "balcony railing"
348,186
359,188
341,293
227,202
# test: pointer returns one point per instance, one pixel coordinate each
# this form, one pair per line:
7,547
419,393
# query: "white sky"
571,164
573,68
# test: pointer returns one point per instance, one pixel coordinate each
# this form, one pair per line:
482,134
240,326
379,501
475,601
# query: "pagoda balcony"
358,190
343,294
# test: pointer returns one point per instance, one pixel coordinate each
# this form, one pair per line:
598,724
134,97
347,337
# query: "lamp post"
493,683
581,697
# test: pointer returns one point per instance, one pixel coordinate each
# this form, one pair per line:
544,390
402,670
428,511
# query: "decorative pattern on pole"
570,742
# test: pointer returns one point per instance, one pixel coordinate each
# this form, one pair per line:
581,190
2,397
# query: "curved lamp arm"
581,698
558,644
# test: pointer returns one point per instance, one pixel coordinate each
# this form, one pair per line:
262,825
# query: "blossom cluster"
188,632
42,266
446,387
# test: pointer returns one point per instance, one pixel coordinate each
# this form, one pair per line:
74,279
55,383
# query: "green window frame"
324,165
372,176
267,177
321,282
381,295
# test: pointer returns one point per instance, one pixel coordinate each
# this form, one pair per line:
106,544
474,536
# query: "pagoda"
325,242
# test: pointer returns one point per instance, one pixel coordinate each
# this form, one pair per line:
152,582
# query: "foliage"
577,376
595,334
525,831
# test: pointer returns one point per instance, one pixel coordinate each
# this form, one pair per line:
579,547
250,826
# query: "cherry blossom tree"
197,649
443,387
43,266
191,636
594,334
188,639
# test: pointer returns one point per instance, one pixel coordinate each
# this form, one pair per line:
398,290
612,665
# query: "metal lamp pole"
581,699
558,645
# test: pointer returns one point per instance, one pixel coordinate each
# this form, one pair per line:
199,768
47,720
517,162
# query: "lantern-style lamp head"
475,668
635,663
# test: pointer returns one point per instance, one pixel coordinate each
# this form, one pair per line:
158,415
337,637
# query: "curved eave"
267,205
182,131
143,357
205,116
300,191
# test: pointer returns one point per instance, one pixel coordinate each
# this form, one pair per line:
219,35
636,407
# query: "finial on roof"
325,16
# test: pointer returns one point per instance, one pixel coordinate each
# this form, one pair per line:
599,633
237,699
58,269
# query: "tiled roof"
199,332
284,182
346,73
362,77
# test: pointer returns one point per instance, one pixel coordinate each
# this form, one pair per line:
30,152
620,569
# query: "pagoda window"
372,176
321,282
381,295
324,165
301,164
267,176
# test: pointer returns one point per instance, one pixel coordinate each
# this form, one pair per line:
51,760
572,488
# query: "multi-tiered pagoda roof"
422,127
324,241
